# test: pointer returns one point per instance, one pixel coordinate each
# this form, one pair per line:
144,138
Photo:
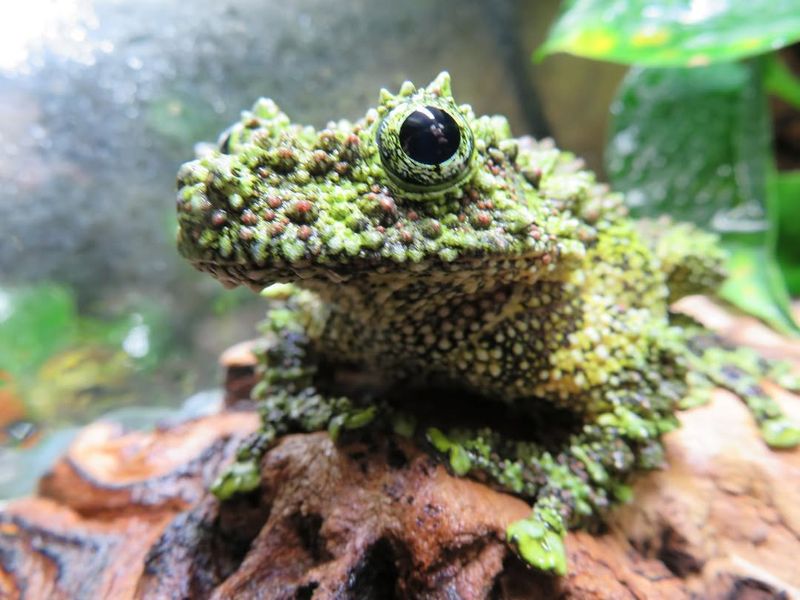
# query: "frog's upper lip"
233,273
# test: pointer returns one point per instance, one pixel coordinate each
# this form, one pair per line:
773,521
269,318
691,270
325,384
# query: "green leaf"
673,33
695,144
781,82
679,145
786,189
756,286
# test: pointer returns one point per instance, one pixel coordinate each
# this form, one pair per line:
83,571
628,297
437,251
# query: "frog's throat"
438,327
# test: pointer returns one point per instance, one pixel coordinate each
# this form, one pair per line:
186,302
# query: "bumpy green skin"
509,272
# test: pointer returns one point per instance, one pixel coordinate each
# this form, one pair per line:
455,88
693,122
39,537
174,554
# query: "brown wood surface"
128,515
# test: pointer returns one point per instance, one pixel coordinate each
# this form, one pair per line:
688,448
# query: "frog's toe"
785,377
539,545
241,477
780,432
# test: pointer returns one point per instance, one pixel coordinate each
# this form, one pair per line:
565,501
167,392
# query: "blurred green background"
102,100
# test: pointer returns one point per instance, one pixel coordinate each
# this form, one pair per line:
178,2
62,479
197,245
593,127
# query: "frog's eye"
425,145
429,135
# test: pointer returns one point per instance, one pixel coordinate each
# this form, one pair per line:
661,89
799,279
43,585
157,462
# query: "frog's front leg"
288,401
692,261
571,485
740,370
583,480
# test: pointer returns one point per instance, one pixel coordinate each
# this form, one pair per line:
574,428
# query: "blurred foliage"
786,191
695,143
690,132
781,82
674,33
56,363
179,118
231,300
678,140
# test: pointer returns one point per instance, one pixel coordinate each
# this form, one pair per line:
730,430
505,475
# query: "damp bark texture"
128,515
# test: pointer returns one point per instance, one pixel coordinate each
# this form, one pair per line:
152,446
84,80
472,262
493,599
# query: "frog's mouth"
471,270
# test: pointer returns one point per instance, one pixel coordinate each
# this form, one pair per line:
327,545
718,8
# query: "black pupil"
429,135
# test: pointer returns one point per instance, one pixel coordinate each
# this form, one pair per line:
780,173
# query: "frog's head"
420,184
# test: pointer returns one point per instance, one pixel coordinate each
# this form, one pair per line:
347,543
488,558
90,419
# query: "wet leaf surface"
695,144
677,33
676,145
756,285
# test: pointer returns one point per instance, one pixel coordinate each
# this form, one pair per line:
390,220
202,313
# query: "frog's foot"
527,470
284,413
569,488
286,396
244,475
741,370
539,539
